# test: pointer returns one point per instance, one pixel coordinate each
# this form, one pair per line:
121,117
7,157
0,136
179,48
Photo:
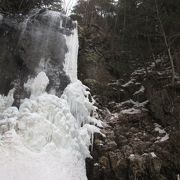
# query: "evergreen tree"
133,28
24,6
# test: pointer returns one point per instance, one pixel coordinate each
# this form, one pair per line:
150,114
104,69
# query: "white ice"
48,137
70,66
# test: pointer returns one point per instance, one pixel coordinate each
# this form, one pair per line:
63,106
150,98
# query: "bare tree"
166,43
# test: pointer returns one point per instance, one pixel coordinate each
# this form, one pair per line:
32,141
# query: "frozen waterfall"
48,137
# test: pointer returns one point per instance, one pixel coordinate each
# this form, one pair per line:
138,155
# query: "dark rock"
138,154
118,165
30,45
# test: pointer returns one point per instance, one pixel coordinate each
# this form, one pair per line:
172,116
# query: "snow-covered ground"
48,137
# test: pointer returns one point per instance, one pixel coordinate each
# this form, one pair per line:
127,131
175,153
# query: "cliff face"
141,115
30,44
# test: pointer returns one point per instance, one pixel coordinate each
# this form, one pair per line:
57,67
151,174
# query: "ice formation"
70,66
48,137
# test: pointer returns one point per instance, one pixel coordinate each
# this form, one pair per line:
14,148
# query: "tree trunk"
166,44
124,24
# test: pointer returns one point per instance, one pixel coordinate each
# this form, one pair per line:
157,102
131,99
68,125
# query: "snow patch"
131,157
141,90
159,129
165,138
131,111
139,72
135,104
96,164
153,155
128,83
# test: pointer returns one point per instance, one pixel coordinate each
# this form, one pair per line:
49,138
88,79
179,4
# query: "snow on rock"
48,137
128,83
164,138
143,104
1,17
135,104
153,155
131,111
96,164
159,129
130,101
139,72
131,157
141,90
132,107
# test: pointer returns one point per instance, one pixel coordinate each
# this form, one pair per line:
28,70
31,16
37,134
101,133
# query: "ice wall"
48,137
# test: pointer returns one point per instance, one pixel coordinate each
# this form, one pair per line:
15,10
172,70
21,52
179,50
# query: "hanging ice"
70,66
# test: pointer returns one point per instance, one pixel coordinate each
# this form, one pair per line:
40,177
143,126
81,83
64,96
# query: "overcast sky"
68,5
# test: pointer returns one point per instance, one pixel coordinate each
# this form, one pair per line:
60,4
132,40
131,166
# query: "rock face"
141,137
8,66
141,116
30,44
